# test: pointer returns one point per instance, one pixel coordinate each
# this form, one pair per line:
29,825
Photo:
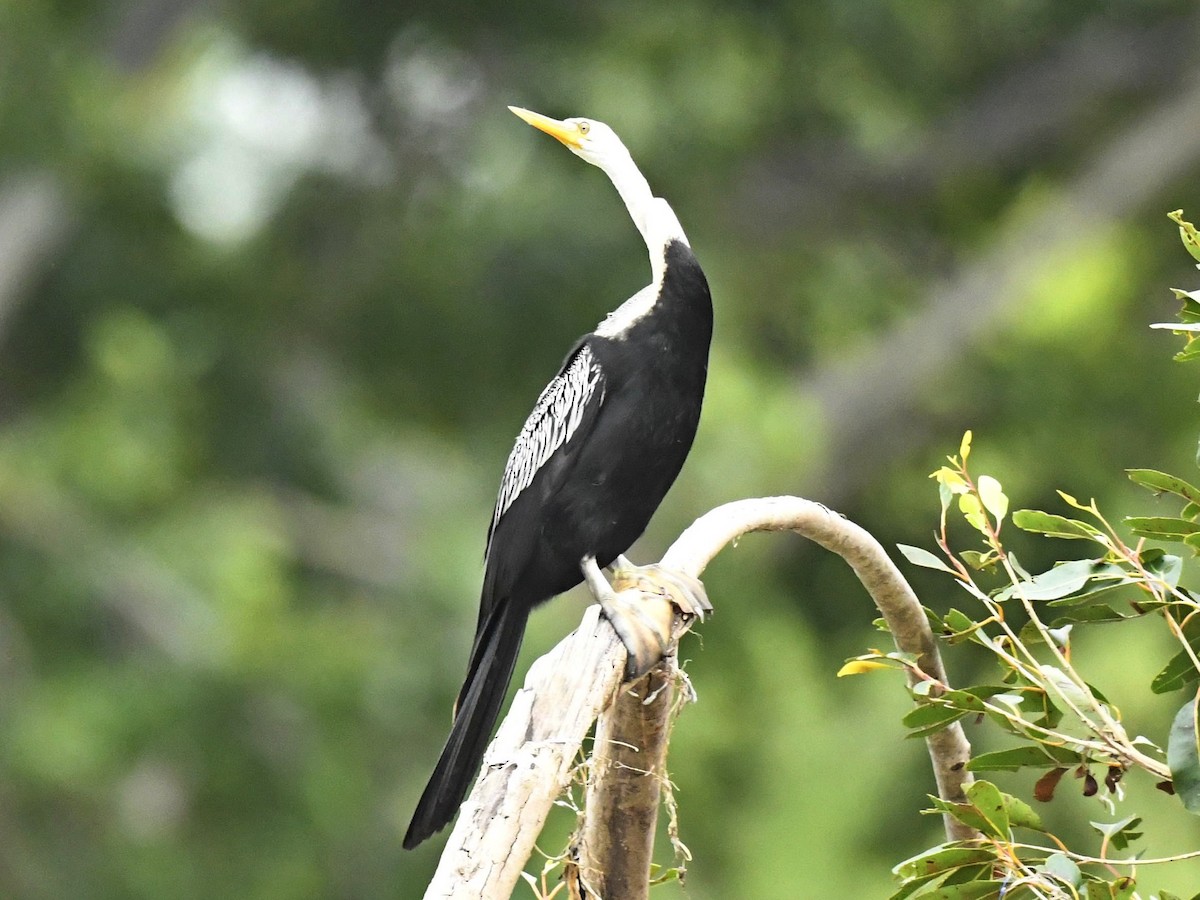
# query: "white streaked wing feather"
555,417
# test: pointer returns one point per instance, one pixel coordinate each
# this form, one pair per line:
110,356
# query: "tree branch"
948,749
615,846
532,759
529,763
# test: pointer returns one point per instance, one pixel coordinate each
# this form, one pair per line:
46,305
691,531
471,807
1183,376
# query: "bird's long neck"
652,216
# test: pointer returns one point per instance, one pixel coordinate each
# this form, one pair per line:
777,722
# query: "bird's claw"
640,605
686,593
644,626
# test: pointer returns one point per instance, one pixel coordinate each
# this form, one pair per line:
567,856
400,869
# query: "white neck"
652,215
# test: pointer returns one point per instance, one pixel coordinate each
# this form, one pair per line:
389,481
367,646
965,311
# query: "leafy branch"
1061,721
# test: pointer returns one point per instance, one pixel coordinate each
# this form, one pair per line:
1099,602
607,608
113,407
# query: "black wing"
557,415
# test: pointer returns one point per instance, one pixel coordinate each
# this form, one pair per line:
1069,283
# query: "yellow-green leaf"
972,510
993,497
858,666
951,480
1187,233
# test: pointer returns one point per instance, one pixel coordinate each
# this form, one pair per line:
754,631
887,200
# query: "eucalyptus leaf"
967,813
1166,566
992,495
1187,233
986,798
971,890
943,858
1161,482
920,557
1037,756
1082,615
1061,581
1062,867
1180,671
1053,525
926,719
1162,528
1021,814
1122,832
1183,757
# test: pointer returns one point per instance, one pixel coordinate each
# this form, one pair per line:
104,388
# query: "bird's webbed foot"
685,592
640,605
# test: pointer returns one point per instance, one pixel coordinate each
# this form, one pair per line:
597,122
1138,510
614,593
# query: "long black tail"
493,658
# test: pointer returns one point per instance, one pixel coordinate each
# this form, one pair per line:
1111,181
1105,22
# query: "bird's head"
588,139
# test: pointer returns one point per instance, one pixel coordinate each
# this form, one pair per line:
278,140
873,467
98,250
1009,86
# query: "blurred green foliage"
279,282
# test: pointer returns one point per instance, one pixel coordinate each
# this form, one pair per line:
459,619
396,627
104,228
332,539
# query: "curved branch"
532,758
949,750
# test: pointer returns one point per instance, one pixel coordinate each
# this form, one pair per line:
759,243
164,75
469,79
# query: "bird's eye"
585,127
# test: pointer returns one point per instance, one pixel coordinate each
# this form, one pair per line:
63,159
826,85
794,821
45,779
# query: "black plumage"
604,443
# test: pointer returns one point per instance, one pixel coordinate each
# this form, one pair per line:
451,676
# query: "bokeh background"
280,280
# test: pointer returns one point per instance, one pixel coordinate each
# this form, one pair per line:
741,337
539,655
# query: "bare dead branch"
530,763
532,758
616,842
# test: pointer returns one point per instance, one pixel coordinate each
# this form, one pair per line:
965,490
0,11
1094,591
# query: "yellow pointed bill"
566,132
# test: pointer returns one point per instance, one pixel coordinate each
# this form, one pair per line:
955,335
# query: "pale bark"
533,757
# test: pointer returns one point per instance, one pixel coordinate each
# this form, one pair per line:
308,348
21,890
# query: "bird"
604,443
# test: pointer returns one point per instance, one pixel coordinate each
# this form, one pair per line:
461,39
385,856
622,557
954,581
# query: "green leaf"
1187,233
977,888
945,495
1039,756
923,558
1161,482
1162,528
979,561
963,812
1064,579
1021,814
911,887
972,509
1052,525
1180,671
1098,613
958,626
971,890
1185,295
1120,833
986,798
1051,715
929,718
1062,867
971,698
1121,889
943,858
1183,757
1166,566
663,876
993,497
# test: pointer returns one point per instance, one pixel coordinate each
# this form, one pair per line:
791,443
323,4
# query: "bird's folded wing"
557,415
